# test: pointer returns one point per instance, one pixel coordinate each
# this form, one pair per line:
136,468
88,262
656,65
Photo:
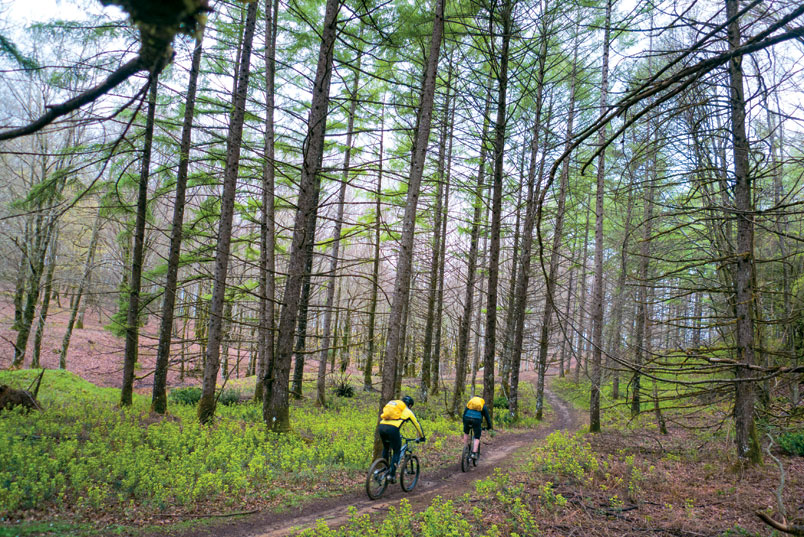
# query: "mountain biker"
394,415
473,416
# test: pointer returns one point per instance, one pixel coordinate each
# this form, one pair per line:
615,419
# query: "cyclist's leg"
396,445
476,425
467,426
391,445
385,437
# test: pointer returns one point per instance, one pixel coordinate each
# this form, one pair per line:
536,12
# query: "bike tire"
409,475
376,478
465,456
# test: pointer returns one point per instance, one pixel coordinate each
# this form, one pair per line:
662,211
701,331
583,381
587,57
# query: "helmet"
408,400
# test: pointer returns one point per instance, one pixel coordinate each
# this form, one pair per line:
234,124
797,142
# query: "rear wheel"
410,473
465,456
376,478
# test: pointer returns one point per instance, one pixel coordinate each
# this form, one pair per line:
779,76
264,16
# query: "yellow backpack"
476,403
393,410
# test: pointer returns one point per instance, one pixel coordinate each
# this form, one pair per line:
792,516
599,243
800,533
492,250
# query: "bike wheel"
466,454
410,473
376,478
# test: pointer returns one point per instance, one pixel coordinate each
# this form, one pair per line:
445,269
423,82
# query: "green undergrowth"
84,455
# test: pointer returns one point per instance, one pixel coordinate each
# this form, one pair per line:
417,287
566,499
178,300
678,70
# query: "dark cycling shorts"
473,424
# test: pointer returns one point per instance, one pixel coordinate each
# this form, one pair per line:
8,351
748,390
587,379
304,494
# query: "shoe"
474,455
392,479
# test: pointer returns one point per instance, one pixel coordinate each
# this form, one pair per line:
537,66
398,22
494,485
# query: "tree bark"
43,310
496,207
745,437
138,255
206,406
159,393
278,416
597,309
265,348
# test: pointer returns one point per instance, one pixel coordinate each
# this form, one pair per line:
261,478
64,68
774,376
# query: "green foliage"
229,397
501,402
567,455
792,443
187,395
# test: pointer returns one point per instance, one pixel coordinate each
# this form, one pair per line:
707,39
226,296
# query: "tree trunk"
582,337
597,297
93,243
471,269
510,320
336,239
206,406
745,437
402,281
138,255
265,348
375,272
43,310
439,318
521,294
43,230
278,416
558,229
429,371
496,208
614,344
159,393
304,301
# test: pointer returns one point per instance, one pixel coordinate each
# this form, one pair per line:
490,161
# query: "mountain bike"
380,471
467,462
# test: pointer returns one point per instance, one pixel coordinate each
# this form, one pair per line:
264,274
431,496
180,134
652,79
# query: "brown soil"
448,482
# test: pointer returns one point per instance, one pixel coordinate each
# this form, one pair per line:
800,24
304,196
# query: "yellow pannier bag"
393,410
476,403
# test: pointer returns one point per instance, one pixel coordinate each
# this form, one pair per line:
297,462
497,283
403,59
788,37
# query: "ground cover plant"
84,458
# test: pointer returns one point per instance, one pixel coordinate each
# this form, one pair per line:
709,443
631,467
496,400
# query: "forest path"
447,482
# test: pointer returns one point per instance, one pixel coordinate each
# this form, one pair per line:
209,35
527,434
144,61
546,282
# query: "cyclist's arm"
408,415
488,417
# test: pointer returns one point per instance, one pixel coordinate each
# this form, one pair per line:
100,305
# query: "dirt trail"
446,482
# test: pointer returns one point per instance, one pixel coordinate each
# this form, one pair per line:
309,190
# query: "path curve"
448,482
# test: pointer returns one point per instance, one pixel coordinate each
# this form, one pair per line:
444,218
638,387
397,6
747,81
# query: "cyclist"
394,415
473,416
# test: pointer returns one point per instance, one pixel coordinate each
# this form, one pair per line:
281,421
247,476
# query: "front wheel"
465,456
410,473
376,478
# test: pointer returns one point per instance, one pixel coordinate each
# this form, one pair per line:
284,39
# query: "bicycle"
380,471
467,462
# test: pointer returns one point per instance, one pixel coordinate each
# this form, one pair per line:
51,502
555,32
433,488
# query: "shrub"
792,443
343,388
501,402
188,395
229,397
